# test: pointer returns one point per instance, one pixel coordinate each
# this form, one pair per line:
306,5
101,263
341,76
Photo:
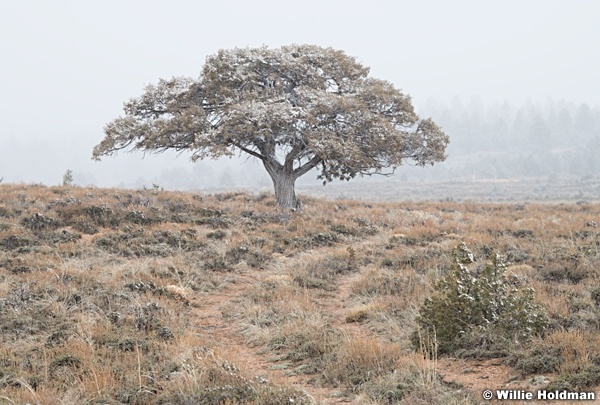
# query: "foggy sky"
68,66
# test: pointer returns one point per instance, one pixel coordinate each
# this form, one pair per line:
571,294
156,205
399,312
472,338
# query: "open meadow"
112,296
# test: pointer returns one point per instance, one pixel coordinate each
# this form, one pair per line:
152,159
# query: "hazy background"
515,84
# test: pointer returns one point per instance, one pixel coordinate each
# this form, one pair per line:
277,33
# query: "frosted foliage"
296,108
476,311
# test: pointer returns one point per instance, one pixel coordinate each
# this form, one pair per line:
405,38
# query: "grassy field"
152,297
549,189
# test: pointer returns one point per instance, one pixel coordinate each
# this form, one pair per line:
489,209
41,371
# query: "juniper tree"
295,108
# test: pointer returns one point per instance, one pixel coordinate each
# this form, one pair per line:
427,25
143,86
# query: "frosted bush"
483,311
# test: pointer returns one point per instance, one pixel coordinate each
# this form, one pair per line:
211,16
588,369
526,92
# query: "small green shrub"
138,217
99,213
68,178
540,359
38,222
587,378
218,234
64,361
5,212
252,257
305,280
343,230
478,312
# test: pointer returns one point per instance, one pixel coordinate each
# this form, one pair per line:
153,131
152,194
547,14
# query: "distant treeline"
536,139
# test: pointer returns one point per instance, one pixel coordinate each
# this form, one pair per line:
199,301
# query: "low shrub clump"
478,312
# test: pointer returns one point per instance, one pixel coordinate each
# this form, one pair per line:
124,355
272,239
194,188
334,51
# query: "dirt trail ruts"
228,343
338,303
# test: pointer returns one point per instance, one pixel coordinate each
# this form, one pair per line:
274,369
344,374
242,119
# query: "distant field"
484,190
111,296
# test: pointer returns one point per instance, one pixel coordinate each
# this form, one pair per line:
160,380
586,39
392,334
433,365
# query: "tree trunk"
285,193
284,184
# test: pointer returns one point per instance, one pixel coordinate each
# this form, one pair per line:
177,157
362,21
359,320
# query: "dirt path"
477,376
227,342
337,303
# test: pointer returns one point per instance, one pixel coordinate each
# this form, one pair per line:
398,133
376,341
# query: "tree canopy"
295,108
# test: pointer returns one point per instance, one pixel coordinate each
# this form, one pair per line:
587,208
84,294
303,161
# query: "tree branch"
302,170
249,151
289,159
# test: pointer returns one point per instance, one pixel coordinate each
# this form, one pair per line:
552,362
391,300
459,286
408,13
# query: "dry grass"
578,349
99,290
